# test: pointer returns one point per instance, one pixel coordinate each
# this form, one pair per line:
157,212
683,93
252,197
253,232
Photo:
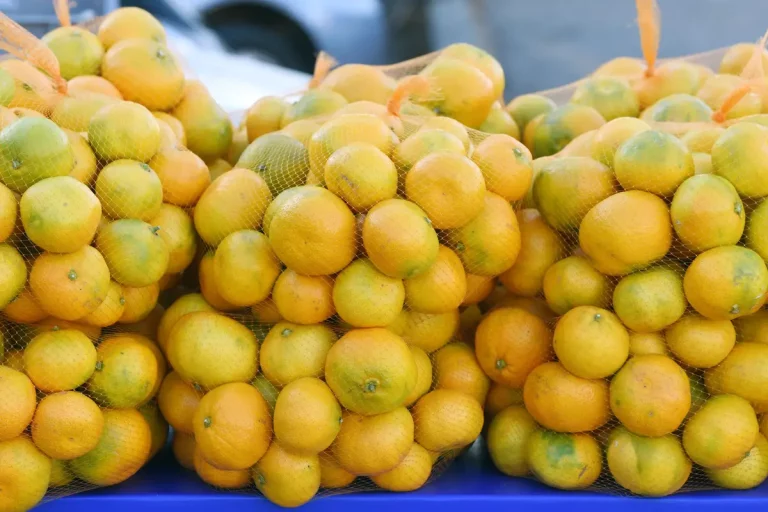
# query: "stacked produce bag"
627,344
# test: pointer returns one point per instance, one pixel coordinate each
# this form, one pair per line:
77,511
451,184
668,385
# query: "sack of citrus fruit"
104,151
627,346
324,349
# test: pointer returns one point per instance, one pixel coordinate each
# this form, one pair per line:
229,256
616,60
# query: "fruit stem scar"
207,421
737,208
15,164
459,246
286,332
72,275
55,328
598,316
501,364
145,167
371,385
122,301
735,309
99,365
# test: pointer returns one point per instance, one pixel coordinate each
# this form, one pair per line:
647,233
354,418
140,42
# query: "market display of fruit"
350,287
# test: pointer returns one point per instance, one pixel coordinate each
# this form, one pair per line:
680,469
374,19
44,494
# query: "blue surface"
470,481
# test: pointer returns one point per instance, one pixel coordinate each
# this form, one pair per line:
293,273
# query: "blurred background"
248,48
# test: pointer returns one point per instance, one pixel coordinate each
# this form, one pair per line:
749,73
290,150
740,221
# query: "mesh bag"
103,151
627,347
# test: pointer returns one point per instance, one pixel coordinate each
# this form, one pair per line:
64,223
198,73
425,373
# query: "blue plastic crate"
472,480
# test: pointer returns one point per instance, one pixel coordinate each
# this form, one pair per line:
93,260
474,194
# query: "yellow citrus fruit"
292,351
411,474
138,303
742,373
74,113
234,201
70,286
707,212
612,134
178,232
281,160
124,130
699,342
129,189
264,116
399,238
302,130
130,23
25,309
158,427
562,460
219,167
447,275
33,88
332,475
465,92
478,288
364,297
499,121
59,360
343,131
555,183
361,174
134,252
455,367
591,342
720,434
183,174
573,282
391,432
184,448
424,142
563,402
86,167
540,248
60,474
60,214
126,373
506,166
757,235
267,390
174,124
423,375
552,132
314,234
25,473
613,97
500,397
446,419
650,300
653,161
314,103
189,303
650,395
579,146
752,327
525,107
737,156
178,402
245,268
303,299
428,331
359,82
307,416
145,72
13,274
716,89
701,140
209,349
55,324
88,84
510,343
207,126
715,287
750,472
121,451
489,244
625,232
673,77
221,478
9,207
67,425
371,371
208,287
286,478
450,188
641,343
507,440
19,405
232,426
648,466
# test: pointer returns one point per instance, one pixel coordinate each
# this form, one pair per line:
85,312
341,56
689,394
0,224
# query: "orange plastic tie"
20,43
730,101
62,12
649,23
323,65
416,85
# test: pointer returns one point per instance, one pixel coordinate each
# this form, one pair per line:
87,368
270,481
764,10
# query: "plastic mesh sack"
104,144
313,336
626,345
